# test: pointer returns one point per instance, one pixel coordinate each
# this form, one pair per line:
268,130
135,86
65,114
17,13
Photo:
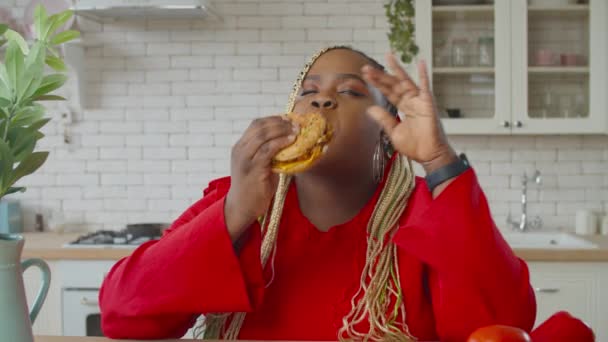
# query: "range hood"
110,10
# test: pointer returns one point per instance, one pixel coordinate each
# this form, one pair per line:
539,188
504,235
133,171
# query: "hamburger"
314,135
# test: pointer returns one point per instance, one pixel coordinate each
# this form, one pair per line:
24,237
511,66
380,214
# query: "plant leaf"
40,22
58,20
30,89
5,102
14,65
6,82
39,124
16,37
28,116
53,51
4,91
13,190
50,98
65,36
24,83
22,142
6,165
3,28
3,122
34,74
24,148
29,165
36,55
56,63
50,83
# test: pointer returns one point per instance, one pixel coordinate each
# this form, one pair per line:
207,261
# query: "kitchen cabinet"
515,67
71,307
573,287
80,282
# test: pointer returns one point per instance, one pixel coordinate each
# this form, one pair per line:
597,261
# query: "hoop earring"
379,160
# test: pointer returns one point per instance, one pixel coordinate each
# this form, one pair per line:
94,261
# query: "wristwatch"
452,170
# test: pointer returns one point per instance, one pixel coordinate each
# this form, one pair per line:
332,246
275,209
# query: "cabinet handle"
88,302
519,124
506,124
546,289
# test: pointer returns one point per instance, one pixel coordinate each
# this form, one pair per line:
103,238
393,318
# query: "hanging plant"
400,15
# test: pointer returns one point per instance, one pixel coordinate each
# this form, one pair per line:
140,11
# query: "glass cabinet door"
555,58
464,45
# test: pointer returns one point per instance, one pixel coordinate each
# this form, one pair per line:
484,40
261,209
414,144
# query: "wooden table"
87,339
99,339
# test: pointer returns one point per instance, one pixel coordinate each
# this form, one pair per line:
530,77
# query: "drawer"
572,288
83,273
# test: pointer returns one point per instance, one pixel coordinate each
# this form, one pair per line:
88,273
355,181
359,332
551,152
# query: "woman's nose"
324,102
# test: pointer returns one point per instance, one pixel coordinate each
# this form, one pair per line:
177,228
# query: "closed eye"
306,92
352,93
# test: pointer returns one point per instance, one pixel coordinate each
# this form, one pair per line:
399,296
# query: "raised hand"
420,135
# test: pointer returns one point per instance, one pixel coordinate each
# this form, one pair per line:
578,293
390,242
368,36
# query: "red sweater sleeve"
475,278
159,290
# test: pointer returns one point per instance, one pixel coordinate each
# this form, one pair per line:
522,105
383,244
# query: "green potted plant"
400,15
24,82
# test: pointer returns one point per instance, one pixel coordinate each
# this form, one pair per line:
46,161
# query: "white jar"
604,226
586,222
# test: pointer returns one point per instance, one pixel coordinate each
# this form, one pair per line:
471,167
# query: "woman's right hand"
253,183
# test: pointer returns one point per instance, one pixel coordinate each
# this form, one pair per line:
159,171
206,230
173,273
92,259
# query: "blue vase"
10,217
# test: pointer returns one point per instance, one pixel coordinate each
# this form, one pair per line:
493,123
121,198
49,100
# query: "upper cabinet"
517,66
559,60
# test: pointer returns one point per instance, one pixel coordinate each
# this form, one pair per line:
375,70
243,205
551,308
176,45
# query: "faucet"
524,224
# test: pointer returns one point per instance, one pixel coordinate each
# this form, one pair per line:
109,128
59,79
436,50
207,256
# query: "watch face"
464,158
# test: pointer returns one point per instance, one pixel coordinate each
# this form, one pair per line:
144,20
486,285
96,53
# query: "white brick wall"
169,98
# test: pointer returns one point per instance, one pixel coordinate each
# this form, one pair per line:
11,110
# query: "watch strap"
442,174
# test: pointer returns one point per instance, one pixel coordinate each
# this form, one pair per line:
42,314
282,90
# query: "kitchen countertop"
48,246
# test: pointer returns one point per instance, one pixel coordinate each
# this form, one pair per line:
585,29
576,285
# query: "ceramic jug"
15,321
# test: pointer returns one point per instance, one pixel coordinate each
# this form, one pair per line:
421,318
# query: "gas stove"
130,237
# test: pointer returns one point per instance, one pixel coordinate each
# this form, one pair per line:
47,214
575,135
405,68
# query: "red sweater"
456,271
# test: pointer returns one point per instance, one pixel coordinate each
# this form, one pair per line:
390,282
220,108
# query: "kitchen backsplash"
168,98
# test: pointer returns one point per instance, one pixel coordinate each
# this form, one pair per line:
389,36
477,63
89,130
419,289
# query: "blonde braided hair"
379,298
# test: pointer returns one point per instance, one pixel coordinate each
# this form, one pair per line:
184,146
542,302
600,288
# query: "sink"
547,240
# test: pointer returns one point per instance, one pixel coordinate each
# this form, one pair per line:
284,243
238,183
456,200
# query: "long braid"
379,298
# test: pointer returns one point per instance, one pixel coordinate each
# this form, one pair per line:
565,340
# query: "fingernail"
296,128
292,137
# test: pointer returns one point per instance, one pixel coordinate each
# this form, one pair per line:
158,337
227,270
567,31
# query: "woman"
354,248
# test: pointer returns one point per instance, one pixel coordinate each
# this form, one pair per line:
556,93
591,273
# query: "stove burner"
133,235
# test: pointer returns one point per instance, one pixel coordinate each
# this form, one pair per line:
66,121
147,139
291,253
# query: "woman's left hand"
420,135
